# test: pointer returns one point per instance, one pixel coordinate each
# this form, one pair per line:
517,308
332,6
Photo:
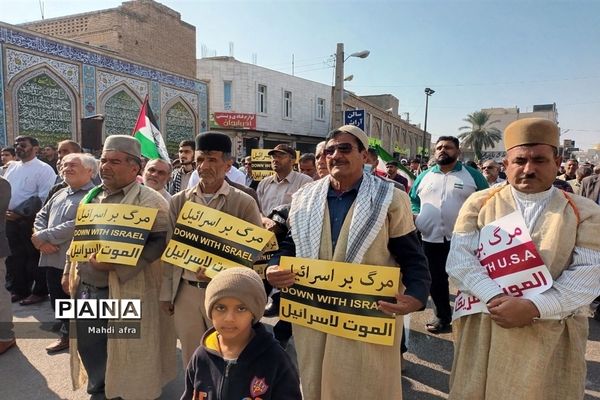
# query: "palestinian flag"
384,157
147,133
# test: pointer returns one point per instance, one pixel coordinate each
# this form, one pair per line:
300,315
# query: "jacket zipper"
225,382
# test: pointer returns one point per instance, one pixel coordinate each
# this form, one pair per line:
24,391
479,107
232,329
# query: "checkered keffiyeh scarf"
370,210
175,186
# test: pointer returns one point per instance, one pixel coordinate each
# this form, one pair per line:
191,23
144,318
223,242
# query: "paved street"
29,373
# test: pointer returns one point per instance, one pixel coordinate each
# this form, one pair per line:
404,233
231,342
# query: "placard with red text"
511,259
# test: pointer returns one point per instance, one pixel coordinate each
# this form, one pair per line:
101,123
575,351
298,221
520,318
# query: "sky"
474,53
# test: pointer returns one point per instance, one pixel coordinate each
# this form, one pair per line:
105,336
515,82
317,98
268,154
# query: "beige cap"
124,143
244,284
356,132
531,131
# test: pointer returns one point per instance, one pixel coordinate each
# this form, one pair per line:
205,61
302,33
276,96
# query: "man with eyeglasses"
491,172
156,175
321,160
250,181
324,218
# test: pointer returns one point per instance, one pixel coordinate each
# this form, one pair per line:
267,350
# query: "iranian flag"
147,133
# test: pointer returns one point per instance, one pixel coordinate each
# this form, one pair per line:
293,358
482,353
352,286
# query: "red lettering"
510,261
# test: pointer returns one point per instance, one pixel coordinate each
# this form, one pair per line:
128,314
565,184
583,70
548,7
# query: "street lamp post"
428,92
338,89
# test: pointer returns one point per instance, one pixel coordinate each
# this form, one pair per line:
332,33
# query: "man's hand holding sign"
342,299
512,312
206,241
507,254
107,234
404,304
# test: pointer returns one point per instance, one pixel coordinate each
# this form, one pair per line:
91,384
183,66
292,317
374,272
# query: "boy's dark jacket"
262,371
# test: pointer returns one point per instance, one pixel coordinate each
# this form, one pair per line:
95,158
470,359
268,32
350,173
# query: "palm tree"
480,135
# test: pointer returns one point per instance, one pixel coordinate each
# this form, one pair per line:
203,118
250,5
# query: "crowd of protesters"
340,203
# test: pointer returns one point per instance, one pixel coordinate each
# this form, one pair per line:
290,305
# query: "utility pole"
338,89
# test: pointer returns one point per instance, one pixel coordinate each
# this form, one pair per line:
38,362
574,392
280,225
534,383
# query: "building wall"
47,85
396,135
385,101
144,31
272,126
505,116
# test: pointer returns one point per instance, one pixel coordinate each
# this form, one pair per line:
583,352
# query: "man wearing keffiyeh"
181,175
356,218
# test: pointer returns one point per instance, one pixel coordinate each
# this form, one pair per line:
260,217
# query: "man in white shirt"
233,175
30,180
537,339
436,196
277,189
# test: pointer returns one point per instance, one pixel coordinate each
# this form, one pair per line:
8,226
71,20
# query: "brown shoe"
7,345
60,345
33,299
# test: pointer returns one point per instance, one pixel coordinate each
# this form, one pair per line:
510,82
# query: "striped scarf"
370,211
175,186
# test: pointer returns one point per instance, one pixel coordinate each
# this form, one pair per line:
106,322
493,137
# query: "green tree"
479,134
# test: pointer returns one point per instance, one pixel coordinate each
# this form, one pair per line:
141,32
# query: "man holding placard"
361,222
184,282
525,257
120,233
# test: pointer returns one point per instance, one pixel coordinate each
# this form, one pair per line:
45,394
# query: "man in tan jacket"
117,366
353,217
182,291
525,345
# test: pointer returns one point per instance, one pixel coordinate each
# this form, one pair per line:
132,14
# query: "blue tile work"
155,100
89,91
2,106
202,90
50,47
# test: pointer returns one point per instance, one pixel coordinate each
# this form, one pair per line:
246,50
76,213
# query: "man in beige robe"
182,291
353,217
527,348
127,368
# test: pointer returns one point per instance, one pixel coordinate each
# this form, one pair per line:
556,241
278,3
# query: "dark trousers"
23,276
282,332
92,347
437,253
53,280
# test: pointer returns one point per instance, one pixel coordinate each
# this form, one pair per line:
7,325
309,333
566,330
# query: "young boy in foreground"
238,358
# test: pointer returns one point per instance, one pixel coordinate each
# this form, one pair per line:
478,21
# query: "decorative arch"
43,105
121,107
178,122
